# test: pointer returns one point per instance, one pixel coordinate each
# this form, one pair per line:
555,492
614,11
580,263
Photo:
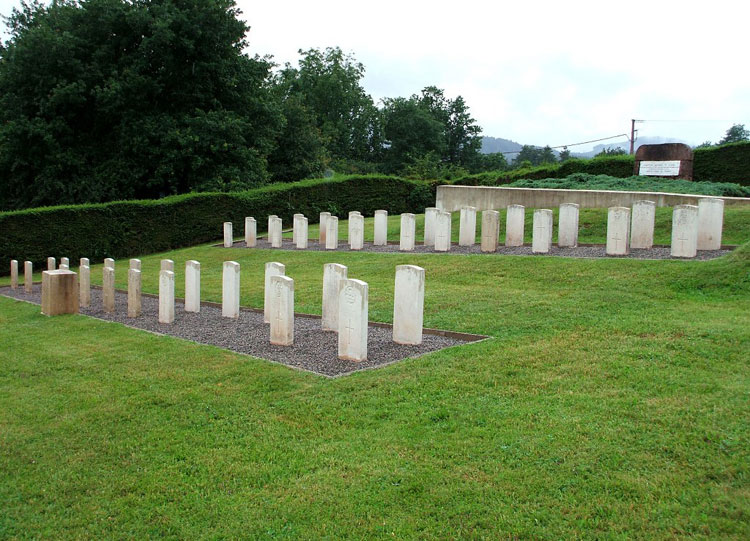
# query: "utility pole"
632,134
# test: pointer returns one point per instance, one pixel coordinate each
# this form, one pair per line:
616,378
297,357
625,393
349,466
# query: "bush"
726,163
127,228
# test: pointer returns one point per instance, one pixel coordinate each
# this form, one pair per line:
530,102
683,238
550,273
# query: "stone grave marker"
542,235
166,297
332,233
167,264
28,276
408,232
275,232
59,292
302,233
467,227
514,225
443,231
135,264
618,231
333,275
567,229
642,225
323,228
295,227
109,262
282,311
64,263
408,305
272,269
108,289
13,274
381,228
356,231
230,291
192,286
353,307
228,236
710,223
684,231
251,232
84,284
490,230
51,264
134,292
430,224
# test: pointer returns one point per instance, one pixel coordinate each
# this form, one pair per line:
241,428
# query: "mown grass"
611,401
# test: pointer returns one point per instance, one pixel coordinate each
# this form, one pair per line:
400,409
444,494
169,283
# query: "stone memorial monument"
669,160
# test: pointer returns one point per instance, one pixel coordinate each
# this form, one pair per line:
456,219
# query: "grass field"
613,401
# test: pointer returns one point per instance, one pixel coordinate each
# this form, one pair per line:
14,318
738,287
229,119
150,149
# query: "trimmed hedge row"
726,163
127,228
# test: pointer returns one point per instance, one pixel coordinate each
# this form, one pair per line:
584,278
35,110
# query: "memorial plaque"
671,160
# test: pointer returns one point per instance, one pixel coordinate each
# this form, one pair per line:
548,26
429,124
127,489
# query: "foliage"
736,134
611,151
726,163
535,156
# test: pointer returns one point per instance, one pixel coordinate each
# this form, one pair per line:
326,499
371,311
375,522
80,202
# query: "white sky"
537,72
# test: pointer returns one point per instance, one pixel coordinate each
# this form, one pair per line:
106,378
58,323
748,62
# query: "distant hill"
491,145
625,145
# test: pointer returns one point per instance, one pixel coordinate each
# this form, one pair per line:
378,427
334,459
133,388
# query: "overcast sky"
536,72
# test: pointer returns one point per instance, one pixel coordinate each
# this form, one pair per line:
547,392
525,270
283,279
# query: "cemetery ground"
611,401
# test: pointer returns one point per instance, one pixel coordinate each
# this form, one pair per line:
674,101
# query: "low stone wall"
452,198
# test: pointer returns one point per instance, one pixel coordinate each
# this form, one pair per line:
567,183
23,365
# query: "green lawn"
612,402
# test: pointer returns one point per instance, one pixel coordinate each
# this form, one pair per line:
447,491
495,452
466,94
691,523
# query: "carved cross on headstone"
617,240
442,235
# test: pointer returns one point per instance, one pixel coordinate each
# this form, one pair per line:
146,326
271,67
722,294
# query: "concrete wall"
452,198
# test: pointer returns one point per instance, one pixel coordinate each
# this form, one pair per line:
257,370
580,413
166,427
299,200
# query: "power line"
572,144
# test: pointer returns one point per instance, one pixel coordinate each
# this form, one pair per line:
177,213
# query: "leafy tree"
494,161
107,99
564,154
535,155
735,134
611,151
705,144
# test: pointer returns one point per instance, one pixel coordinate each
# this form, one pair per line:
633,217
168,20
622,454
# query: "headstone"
59,292
84,285
323,228
272,269
167,264
515,219
684,231
251,232
467,227
84,261
166,297
282,311
332,233
430,224
353,306
51,264
65,263
642,225
490,230
295,227
671,160
108,289
710,223
356,231
13,274
230,291
618,231
192,286
134,292
135,264
408,232
541,239
333,275
228,236
354,213
275,235
408,305
567,229
109,262
28,276
270,220
381,228
443,231
301,242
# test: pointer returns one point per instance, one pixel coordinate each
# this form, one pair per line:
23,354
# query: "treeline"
104,100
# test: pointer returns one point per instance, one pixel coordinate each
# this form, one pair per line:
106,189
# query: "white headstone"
541,238
228,236
430,224
282,311
618,231
166,296
84,285
567,229
333,275
295,227
408,232
381,228
270,219
28,276
51,264
323,228
230,291
272,269
443,231
192,286
642,225
13,273
109,262
108,289
710,223
408,305
134,292
332,233
275,232
353,306
467,226
251,232
490,230
356,231
684,231
167,264
354,213
301,242
135,264
514,225
84,261
65,263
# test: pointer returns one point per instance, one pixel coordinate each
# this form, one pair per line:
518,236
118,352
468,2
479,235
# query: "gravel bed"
313,350
595,251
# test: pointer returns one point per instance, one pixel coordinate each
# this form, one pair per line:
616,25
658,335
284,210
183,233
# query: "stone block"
332,233
323,228
275,232
135,264
13,274
356,231
230,290
167,264
490,230
134,292
618,231
333,275
353,307
408,232
282,311
192,286
64,263
567,229
295,227
272,269
59,292
109,262
166,297
408,305
443,231
381,228
301,242
84,285
467,226
251,232
642,225
108,289
51,264
28,276
84,261
430,224
684,231
710,223
541,237
228,235
515,220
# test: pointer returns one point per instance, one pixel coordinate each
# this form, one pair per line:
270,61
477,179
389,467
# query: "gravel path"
593,251
313,349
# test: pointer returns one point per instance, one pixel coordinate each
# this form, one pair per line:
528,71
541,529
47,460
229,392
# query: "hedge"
726,163
127,228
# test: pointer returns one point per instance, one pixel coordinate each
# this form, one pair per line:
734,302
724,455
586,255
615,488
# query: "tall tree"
735,134
535,155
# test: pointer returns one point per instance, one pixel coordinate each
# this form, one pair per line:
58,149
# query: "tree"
495,161
106,99
735,134
564,154
611,151
535,155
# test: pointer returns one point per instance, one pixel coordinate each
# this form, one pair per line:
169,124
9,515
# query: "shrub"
726,163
